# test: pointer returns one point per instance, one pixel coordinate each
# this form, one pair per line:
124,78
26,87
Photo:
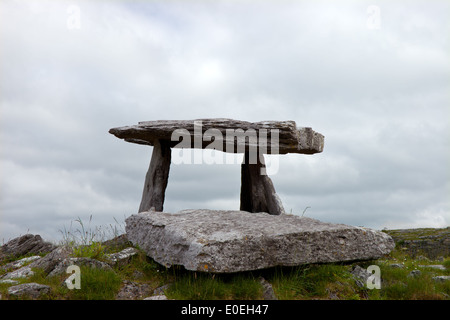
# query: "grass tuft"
201,286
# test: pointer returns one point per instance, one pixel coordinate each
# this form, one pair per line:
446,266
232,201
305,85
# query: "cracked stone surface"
232,241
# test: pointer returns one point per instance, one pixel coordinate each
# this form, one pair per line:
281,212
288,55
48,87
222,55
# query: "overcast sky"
372,76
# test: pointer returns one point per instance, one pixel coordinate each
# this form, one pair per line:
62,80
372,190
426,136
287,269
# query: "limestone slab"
232,241
201,132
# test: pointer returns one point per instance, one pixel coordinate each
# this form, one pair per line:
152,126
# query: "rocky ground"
429,242
31,268
53,261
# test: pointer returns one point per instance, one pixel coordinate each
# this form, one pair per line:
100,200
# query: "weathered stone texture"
26,244
157,177
32,290
257,190
291,139
232,241
61,267
423,241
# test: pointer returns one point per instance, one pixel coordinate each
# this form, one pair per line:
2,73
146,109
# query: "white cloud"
379,97
49,197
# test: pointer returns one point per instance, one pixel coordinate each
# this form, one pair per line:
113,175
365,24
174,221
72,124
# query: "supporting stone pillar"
157,177
257,191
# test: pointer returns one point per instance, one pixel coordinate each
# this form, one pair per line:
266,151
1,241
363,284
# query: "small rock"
27,244
133,291
161,290
414,273
441,278
268,293
332,295
360,275
396,265
51,260
92,263
33,290
9,281
122,257
23,272
19,263
159,297
433,266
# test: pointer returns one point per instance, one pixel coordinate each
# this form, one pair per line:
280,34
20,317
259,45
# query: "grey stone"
33,290
268,293
157,177
227,135
423,243
122,257
133,291
441,278
19,263
433,266
9,281
161,290
257,190
415,273
92,263
397,265
231,241
292,139
23,272
26,244
51,260
158,297
360,275
332,295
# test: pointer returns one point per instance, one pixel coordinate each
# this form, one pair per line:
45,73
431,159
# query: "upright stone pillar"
156,177
257,190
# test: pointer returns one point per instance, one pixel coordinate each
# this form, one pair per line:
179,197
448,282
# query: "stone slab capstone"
232,241
291,139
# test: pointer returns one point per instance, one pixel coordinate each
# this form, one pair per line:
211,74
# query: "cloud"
379,97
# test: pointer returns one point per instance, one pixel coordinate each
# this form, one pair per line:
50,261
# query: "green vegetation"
419,233
96,284
201,286
316,281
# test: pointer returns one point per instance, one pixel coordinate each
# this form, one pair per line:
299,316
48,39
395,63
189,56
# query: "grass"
316,281
201,286
324,281
96,284
85,234
399,284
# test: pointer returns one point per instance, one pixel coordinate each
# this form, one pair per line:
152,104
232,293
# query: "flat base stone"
231,241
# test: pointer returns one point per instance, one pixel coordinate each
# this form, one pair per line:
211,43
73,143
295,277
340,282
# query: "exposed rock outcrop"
417,242
32,290
26,244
